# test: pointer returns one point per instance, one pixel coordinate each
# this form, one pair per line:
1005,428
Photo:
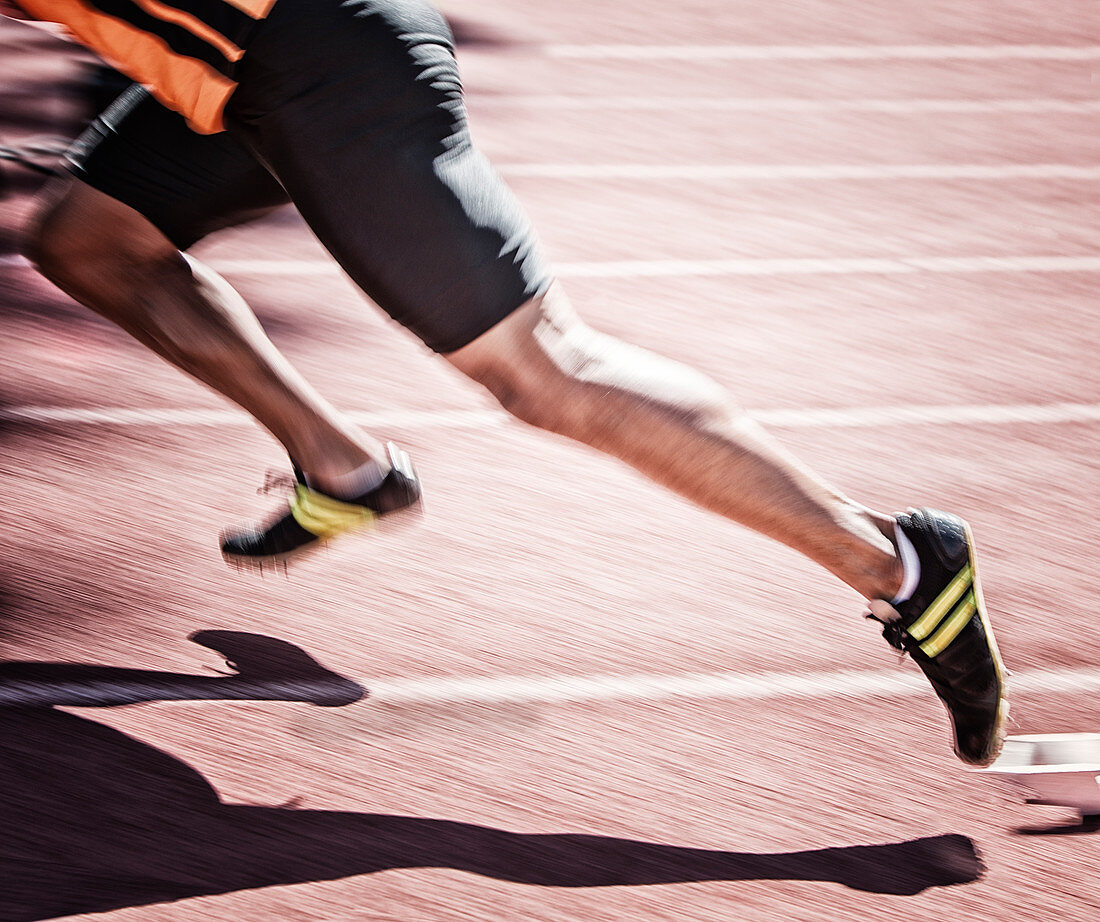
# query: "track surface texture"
874,222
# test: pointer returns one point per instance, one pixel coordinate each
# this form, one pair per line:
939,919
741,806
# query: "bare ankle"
868,559
890,573
349,484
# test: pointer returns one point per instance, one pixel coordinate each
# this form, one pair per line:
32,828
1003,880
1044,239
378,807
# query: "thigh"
186,184
357,108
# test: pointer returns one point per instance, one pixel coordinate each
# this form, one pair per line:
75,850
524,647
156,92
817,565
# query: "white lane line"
729,686
841,418
687,268
121,416
826,52
796,172
539,102
873,417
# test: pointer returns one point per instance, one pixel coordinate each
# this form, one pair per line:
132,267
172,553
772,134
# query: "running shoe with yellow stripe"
944,627
315,517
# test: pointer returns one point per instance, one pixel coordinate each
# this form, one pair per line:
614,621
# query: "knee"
551,370
534,395
529,386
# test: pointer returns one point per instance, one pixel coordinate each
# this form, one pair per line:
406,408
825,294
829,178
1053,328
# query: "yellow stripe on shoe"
324,516
946,600
959,619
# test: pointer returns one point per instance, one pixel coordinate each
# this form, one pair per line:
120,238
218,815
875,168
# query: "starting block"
1058,769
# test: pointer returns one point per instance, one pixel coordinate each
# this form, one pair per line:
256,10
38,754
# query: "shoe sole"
277,562
998,664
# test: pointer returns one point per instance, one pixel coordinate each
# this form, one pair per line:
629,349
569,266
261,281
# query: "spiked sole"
1000,723
281,562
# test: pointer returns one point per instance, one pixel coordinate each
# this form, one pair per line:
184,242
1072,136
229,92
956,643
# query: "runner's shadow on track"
95,820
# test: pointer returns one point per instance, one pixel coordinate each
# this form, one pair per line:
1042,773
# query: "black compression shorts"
188,185
356,107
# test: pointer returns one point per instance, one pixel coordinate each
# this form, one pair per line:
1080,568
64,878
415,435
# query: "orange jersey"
184,52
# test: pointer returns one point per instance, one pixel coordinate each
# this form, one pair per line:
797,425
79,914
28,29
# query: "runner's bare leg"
186,313
678,427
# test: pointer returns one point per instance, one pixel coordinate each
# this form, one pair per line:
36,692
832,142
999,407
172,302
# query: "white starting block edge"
1055,769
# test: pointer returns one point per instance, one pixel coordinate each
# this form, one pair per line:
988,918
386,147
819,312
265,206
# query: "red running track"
883,242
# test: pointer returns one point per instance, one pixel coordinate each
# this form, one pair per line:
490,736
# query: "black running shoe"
945,629
315,517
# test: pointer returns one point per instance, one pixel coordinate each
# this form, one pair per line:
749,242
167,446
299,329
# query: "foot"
944,627
315,517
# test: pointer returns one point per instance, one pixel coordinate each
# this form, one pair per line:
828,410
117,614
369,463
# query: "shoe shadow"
96,820
265,669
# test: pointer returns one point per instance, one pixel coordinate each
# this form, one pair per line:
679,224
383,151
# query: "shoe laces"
895,634
277,481
893,630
